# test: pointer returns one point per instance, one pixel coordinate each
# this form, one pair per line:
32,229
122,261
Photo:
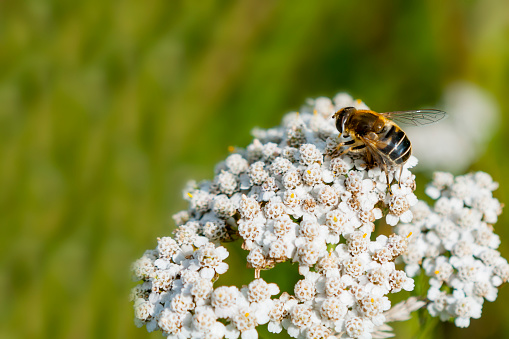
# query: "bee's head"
342,117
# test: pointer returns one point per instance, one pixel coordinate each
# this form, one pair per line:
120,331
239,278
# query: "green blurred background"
108,107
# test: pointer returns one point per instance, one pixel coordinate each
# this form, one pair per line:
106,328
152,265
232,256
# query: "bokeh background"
107,108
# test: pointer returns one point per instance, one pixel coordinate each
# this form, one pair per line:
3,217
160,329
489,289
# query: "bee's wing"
415,118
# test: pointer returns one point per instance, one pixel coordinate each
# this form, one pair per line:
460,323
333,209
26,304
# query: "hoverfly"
379,135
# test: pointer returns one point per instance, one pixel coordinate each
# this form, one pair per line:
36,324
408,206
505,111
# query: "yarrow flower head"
286,197
457,245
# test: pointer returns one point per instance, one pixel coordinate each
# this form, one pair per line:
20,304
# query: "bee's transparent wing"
416,118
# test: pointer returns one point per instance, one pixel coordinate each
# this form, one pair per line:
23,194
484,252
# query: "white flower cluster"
456,245
178,278
286,198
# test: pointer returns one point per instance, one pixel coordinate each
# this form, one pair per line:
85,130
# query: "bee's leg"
355,147
384,167
388,184
349,142
370,160
346,143
400,174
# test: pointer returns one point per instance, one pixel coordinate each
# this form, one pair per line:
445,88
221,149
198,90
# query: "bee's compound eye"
342,116
339,121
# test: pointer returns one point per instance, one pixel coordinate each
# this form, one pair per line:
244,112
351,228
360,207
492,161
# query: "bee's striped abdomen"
398,148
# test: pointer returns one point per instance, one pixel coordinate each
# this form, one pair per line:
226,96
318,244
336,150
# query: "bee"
379,136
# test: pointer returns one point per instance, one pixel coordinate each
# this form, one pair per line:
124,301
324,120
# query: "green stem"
427,324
